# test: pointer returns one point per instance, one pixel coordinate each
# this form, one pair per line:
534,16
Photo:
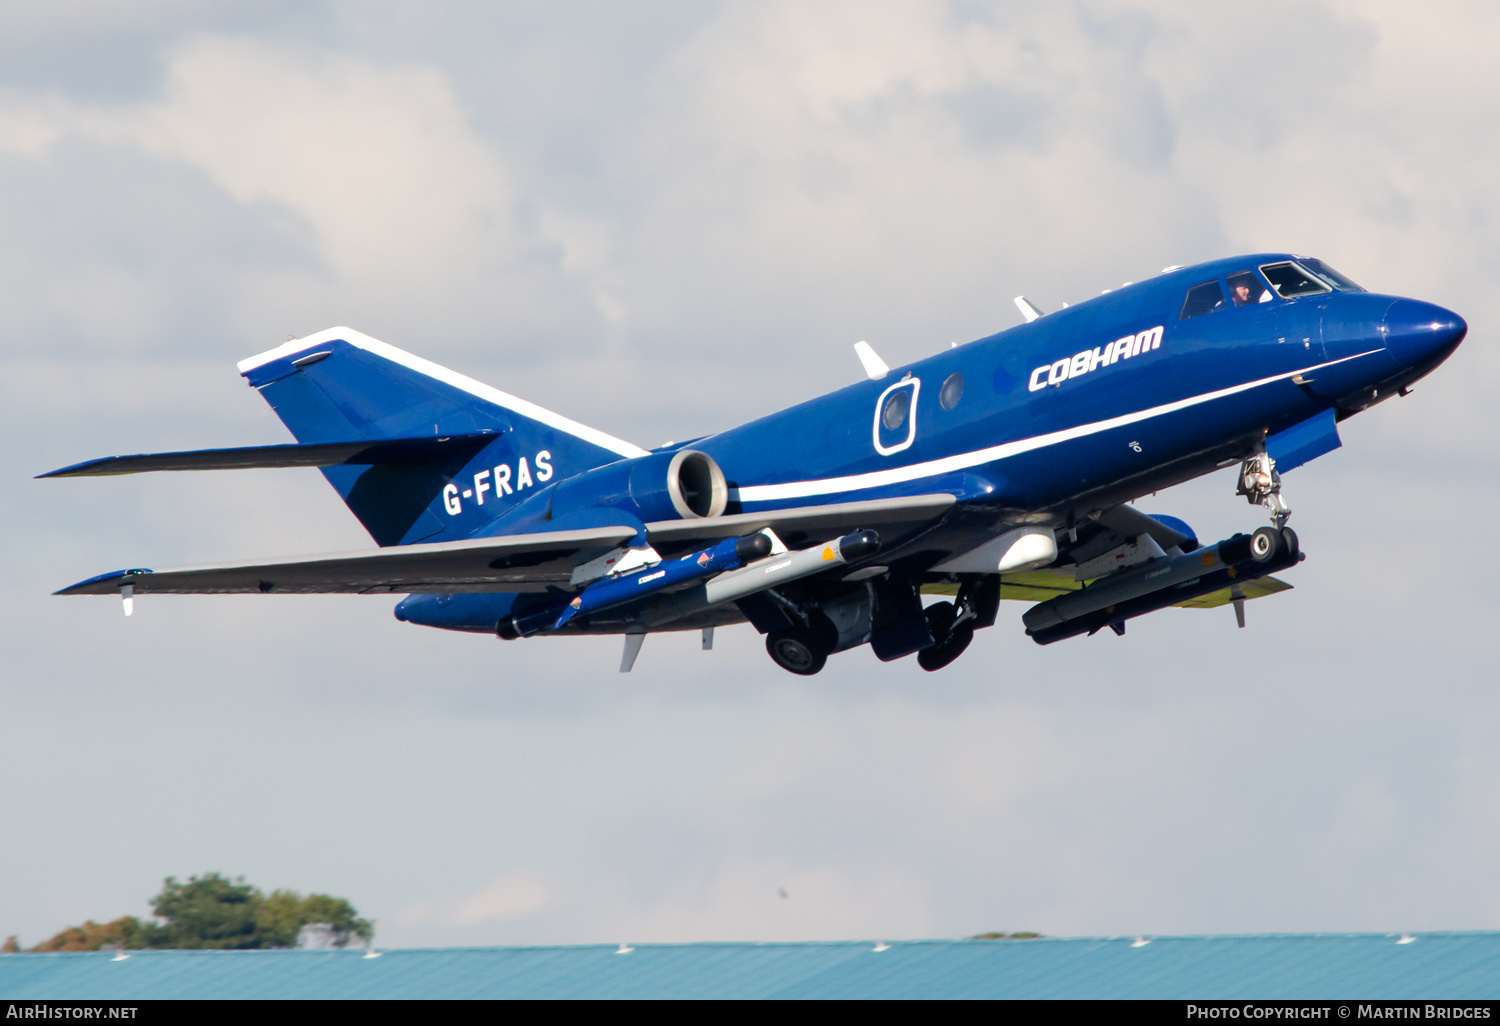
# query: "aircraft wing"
888,517
1257,588
508,563
1041,585
526,562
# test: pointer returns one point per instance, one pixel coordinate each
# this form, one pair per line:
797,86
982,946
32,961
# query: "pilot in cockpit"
1245,289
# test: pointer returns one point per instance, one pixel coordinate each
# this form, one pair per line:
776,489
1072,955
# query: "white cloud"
508,896
379,158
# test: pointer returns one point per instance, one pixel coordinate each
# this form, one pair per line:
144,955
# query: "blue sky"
614,211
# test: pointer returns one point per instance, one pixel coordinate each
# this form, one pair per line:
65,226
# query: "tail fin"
341,386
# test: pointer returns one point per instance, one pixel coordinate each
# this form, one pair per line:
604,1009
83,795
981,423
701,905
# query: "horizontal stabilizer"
322,454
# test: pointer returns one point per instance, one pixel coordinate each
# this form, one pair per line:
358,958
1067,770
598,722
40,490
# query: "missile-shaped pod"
729,554
782,568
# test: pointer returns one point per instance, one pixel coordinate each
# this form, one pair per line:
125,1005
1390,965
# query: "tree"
207,912
125,932
283,915
214,912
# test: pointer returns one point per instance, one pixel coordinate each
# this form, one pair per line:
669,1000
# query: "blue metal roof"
1369,966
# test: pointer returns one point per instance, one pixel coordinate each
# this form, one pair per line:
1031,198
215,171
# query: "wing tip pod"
103,584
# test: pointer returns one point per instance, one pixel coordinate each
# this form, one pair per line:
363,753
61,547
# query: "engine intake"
686,484
695,484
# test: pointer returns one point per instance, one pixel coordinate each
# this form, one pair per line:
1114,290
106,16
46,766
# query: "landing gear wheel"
797,650
1290,537
940,617
940,655
1267,544
949,641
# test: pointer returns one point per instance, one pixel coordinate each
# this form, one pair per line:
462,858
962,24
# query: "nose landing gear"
1261,485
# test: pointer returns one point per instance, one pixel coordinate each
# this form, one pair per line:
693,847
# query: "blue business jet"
998,469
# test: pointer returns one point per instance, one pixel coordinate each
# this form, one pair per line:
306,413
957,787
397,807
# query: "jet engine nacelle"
662,486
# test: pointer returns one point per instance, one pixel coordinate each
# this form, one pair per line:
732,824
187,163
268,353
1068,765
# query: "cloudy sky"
663,218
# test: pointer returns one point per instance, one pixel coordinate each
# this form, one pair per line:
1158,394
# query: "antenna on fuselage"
875,367
1028,311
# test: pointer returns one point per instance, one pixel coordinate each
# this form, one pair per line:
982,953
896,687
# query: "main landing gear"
951,635
799,650
953,623
803,648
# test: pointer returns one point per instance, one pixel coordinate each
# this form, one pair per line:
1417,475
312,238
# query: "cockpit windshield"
1291,281
1329,275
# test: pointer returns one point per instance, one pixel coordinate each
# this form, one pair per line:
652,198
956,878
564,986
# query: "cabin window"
897,404
952,390
1291,281
896,416
1246,289
1202,299
1331,276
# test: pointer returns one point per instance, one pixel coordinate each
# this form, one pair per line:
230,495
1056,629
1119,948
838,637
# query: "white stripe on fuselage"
965,460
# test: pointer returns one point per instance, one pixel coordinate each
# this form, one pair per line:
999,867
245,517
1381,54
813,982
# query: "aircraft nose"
1418,332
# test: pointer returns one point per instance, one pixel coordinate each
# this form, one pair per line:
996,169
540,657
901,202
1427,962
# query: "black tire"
940,617
797,650
950,648
1234,549
1267,545
1289,536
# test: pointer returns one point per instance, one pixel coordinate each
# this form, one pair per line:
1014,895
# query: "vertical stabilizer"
340,385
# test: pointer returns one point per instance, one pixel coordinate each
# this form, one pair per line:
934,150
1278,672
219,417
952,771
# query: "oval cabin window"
952,391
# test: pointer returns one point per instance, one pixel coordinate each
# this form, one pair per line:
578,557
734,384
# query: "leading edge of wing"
321,454
526,562
832,516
